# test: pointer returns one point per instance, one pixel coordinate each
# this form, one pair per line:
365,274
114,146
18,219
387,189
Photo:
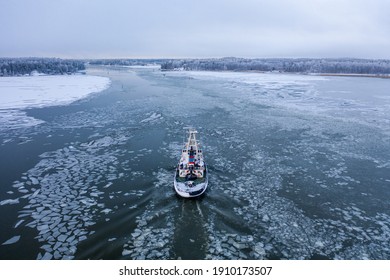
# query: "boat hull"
190,188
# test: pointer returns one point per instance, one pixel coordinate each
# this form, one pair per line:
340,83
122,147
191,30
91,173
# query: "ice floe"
148,241
153,117
12,240
9,201
62,194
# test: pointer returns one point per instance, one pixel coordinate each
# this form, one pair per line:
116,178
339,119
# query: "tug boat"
191,172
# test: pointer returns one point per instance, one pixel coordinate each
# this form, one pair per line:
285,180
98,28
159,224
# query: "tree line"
302,65
126,62
56,66
48,66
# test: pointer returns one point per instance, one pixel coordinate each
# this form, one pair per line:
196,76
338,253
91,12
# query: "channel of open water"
299,168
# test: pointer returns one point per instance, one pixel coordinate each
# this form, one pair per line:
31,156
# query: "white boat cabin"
191,163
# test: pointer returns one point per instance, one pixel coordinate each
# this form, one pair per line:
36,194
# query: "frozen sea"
299,169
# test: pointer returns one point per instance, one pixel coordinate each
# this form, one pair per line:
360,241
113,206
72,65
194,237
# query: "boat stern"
189,189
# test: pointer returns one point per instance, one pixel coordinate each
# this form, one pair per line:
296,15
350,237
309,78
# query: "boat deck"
196,181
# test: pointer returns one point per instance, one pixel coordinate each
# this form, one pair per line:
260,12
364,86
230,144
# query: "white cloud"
152,28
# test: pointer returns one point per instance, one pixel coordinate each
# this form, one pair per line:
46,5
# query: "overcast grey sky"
195,28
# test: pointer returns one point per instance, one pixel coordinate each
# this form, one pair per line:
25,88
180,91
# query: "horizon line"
186,58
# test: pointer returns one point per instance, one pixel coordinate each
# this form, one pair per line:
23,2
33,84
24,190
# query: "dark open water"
299,169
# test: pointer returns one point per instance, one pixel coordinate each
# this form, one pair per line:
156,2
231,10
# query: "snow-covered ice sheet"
247,77
19,93
41,91
351,99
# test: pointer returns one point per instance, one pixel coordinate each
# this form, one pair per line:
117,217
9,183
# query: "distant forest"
300,65
56,66
49,66
303,65
127,62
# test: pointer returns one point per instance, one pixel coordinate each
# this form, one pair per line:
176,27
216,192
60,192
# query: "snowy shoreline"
20,93
320,74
